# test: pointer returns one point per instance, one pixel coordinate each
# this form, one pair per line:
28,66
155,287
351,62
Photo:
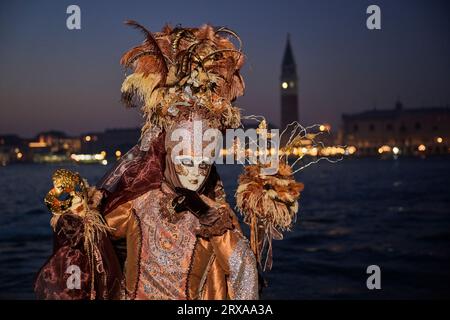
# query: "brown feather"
151,46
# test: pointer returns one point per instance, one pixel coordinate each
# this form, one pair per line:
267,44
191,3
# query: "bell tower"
288,87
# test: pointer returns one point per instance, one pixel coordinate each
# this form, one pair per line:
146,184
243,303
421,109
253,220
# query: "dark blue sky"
53,78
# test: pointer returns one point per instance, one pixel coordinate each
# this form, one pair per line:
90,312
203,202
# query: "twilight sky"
55,78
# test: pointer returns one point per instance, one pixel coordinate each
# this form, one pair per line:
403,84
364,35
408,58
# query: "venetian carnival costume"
165,212
180,255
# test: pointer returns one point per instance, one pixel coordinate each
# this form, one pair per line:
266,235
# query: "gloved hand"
95,197
191,200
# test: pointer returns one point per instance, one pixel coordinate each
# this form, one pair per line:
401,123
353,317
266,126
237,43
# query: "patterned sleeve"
238,261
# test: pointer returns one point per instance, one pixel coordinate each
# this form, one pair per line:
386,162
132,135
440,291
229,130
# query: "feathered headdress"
195,67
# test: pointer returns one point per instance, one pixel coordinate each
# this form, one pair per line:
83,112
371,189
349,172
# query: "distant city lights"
384,149
88,157
39,144
351,149
57,148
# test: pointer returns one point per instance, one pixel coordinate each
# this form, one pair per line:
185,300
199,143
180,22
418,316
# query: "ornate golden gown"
170,261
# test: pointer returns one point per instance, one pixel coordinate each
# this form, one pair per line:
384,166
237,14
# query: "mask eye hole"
203,165
64,196
187,162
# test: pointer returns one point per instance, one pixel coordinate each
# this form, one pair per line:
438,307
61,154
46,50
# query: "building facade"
398,130
112,142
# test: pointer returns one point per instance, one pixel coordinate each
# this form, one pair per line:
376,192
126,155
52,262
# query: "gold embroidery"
166,249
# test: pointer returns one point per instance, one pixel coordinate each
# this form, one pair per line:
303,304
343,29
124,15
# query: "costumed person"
157,225
183,240
174,233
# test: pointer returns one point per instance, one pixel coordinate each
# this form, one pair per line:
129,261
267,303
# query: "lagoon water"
356,213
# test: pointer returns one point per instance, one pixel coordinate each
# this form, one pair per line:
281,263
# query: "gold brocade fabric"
166,250
168,261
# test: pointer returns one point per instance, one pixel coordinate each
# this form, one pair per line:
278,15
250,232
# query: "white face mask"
192,171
